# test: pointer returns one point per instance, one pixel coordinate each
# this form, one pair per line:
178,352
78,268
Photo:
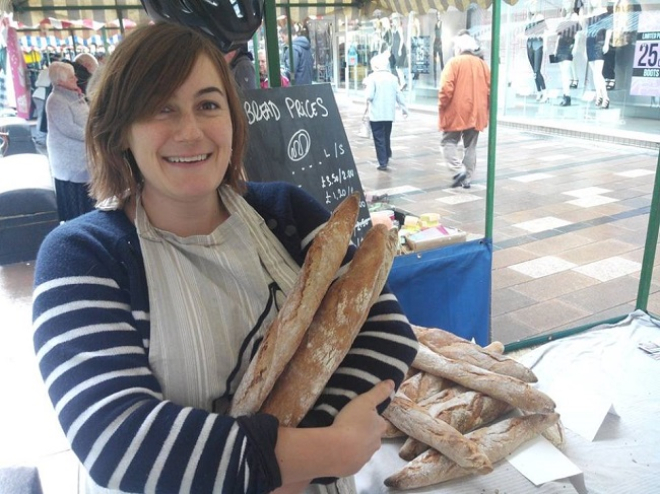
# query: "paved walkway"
570,217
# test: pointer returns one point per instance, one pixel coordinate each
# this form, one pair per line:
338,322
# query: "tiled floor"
570,221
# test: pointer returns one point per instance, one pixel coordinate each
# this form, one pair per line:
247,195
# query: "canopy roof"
31,12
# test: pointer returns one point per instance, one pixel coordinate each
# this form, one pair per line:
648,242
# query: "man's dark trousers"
381,132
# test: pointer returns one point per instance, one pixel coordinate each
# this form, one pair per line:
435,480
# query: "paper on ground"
540,462
581,409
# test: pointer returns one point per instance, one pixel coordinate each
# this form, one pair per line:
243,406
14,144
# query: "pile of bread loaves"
450,405
455,387
319,319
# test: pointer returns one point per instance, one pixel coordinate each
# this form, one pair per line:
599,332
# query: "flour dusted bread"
475,355
416,422
505,388
333,329
466,411
283,336
496,441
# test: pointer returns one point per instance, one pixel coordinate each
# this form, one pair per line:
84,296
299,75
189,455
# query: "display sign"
646,63
296,135
421,54
19,74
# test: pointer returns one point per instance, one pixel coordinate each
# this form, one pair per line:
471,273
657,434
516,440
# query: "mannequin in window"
399,51
609,60
564,51
376,40
598,28
437,48
416,48
535,33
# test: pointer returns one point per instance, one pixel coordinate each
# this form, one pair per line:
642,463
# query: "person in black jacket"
241,64
303,61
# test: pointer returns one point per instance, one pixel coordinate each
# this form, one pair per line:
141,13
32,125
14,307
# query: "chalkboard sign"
297,136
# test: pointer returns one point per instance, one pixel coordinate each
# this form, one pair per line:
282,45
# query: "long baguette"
505,388
437,336
283,336
465,412
416,422
475,355
335,325
497,441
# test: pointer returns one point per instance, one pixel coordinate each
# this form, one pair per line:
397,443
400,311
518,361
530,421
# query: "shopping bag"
365,128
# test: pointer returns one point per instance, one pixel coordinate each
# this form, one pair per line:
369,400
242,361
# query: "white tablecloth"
623,458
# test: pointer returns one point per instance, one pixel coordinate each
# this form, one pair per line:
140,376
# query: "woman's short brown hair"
138,79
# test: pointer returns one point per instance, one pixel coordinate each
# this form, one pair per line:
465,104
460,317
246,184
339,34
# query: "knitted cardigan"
91,336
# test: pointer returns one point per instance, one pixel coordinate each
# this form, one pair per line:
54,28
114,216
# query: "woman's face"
183,151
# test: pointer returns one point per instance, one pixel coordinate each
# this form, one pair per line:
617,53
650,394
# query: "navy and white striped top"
91,336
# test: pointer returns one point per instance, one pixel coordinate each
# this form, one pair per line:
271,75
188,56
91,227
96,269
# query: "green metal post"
651,243
255,48
292,69
492,124
272,45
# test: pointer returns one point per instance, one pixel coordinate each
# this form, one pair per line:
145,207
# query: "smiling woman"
148,311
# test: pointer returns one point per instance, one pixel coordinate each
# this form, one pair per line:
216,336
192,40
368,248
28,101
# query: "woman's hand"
339,450
359,427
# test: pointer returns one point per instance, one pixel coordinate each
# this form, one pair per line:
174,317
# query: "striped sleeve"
90,340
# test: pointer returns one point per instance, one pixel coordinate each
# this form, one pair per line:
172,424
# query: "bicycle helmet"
229,22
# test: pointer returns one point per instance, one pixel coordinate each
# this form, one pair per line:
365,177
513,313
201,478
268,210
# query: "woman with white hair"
383,94
463,105
67,112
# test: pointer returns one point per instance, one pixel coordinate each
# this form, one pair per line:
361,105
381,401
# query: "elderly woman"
67,112
148,312
383,94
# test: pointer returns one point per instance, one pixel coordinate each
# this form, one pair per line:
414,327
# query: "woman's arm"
91,334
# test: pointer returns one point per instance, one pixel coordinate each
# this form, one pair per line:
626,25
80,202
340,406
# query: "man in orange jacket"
463,100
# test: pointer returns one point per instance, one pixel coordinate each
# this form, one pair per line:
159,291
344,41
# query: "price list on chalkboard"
296,135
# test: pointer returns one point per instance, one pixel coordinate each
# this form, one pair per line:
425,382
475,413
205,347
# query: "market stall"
608,405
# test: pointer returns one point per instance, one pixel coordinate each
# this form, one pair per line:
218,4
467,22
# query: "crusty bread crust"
464,412
505,388
416,422
475,355
283,336
334,328
497,441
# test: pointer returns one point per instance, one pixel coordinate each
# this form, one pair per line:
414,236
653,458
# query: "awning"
426,6
304,9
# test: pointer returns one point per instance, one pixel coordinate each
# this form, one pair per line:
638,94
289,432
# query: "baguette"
475,355
439,337
505,388
335,325
416,422
465,412
495,347
497,441
423,385
283,336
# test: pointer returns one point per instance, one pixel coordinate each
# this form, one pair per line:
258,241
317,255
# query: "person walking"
463,105
303,62
67,112
383,94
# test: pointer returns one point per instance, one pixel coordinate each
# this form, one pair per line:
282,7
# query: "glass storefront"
580,61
